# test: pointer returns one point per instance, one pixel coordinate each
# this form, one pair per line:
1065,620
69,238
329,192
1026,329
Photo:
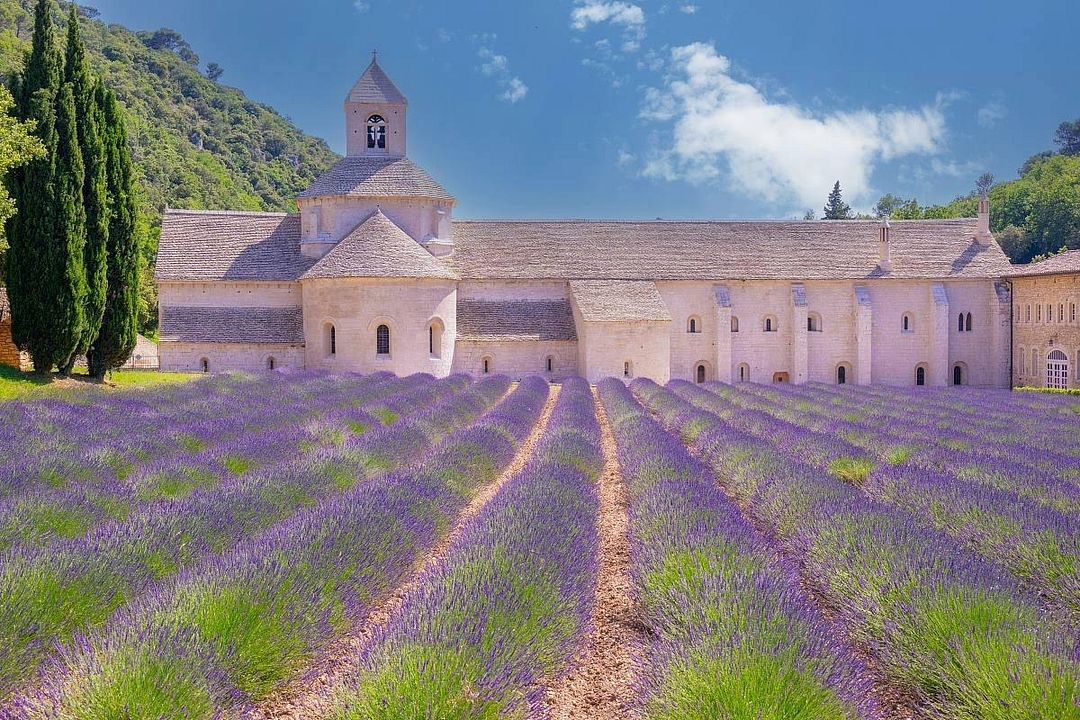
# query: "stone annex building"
375,274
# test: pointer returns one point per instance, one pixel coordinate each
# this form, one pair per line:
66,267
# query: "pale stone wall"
514,290
356,117
517,359
223,357
9,354
229,294
605,347
1034,331
356,307
331,219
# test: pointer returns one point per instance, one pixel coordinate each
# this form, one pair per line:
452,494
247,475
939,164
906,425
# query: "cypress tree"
66,319
836,208
90,113
117,337
30,258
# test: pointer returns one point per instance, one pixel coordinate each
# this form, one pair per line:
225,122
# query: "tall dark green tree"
836,208
32,259
118,333
90,114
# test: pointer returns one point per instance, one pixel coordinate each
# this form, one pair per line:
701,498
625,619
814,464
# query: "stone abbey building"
374,273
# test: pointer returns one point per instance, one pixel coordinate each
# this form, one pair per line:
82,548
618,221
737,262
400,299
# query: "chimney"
983,234
884,248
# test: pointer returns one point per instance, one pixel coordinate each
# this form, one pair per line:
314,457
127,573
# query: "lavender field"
316,546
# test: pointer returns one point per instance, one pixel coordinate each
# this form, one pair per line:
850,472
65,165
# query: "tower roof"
376,87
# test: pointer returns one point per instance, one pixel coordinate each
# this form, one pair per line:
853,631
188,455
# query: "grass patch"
852,470
18,385
899,455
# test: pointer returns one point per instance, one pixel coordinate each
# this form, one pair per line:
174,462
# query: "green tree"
32,260
118,333
836,208
90,115
1068,137
897,208
18,146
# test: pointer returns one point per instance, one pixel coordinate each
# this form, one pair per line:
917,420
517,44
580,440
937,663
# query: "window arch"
1072,312
1061,312
1035,361
549,363
487,365
271,363
1049,313
959,374
204,365
960,322
967,322
1023,362
920,375
1027,313
813,322
376,133
907,323
769,324
628,368
842,371
734,324
699,374
1038,313
693,325
1057,370
382,340
329,340
436,330
744,373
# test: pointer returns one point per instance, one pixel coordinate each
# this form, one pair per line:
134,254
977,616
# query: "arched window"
376,133
1038,313
1027,313
958,374
841,375
487,365
1023,361
967,322
435,338
920,375
549,364
960,323
382,340
1072,312
271,363
1061,312
907,323
628,369
770,324
693,325
734,324
700,373
744,373
1057,370
1049,313
813,322
1035,361
329,340
204,364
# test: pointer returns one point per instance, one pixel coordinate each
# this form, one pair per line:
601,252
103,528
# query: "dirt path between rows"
313,696
599,685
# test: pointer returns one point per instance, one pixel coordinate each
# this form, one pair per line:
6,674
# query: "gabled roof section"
376,87
515,320
1062,264
376,177
212,245
818,250
280,325
378,248
618,300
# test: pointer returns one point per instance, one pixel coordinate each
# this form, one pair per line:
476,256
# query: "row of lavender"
1039,544
77,500
952,630
52,593
733,634
228,632
510,602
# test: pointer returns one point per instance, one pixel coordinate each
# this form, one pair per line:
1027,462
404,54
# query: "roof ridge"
672,221
247,213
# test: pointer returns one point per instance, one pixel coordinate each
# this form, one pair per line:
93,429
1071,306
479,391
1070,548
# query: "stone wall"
9,354
1046,317
228,294
224,357
518,358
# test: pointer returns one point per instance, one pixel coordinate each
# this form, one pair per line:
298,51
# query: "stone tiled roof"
825,250
618,300
376,87
5,307
1065,263
378,248
208,245
376,177
507,320
232,325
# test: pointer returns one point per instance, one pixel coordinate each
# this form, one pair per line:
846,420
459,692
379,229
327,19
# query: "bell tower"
375,113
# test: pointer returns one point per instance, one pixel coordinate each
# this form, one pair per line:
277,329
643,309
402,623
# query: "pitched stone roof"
210,245
5,307
376,177
509,320
378,248
819,250
232,325
618,300
376,87
1065,263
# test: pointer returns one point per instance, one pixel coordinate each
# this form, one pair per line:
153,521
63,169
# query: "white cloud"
497,66
688,9
990,113
629,17
361,6
777,151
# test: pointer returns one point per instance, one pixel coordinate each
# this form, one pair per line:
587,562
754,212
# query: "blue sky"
660,108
